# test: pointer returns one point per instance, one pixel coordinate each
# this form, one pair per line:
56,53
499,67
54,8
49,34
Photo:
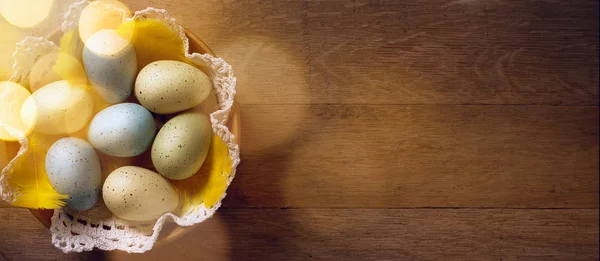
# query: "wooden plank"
453,52
417,156
349,234
398,52
389,52
22,237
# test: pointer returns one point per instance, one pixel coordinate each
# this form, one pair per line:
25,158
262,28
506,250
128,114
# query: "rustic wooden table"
389,130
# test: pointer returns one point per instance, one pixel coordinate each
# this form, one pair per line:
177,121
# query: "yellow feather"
153,41
28,172
209,184
68,65
28,176
71,44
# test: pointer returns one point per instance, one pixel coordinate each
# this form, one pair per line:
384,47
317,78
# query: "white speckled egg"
138,194
74,170
110,63
181,145
58,108
122,130
171,86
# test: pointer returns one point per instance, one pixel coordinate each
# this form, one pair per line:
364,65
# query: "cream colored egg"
181,145
170,86
99,15
54,67
58,108
138,194
12,97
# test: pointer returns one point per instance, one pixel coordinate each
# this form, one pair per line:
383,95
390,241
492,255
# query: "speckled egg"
138,194
74,170
110,63
181,145
58,108
122,130
170,86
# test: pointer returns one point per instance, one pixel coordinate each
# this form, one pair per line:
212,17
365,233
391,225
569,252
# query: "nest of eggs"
126,126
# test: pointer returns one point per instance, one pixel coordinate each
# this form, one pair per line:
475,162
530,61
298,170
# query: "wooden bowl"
170,231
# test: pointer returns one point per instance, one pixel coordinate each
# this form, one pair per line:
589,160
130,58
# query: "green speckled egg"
181,145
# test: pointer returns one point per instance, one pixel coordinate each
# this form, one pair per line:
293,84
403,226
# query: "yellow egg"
12,97
99,15
55,67
58,108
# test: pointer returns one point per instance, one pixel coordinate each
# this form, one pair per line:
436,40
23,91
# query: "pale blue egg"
111,65
122,130
73,168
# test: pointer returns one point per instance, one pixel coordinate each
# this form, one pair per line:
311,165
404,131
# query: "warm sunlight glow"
99,15
12,97
25,13
58,108
106,43
55,67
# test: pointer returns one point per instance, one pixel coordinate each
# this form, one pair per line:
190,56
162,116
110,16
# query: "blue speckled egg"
110,64
122,130
74,170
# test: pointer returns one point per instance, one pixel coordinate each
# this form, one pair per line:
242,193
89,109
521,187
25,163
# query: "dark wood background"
390,130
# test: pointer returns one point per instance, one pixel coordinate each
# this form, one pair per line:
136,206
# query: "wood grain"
389,130
349,234
390,52
386,52
417,156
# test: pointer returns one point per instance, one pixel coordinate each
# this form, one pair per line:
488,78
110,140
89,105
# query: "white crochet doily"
74,231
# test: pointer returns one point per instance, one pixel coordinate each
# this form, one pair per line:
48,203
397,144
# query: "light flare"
12,97
25,13
101,15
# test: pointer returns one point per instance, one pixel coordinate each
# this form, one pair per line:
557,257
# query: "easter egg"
58,108
111,65
170,86
122,130
74,170
181,145
138,194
